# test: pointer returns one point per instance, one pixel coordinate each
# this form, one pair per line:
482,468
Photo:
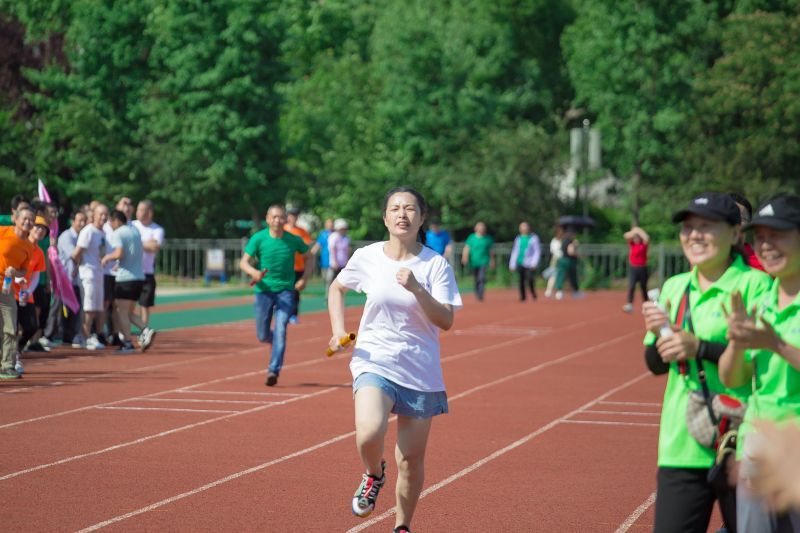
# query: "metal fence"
186,260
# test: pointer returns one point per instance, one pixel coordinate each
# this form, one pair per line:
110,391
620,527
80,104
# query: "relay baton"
343,342
253,282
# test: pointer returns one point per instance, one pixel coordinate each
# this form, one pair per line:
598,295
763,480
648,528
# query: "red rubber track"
552,427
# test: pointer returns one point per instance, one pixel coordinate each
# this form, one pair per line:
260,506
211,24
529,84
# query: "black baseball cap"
779,212
713,206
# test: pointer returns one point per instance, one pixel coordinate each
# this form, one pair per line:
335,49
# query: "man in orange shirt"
15,254
299,259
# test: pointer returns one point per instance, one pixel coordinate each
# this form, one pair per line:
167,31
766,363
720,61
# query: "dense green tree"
747,134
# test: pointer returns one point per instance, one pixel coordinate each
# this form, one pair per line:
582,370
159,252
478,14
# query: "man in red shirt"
291,226
746,210
638,241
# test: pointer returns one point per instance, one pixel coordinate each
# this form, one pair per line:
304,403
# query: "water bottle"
7,284
666,330
23,297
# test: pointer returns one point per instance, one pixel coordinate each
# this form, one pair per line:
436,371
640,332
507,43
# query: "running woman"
411,294
709,232
766,345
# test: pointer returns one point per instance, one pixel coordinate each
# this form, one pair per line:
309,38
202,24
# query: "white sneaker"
559,295
93,343
628,308
18,367
146,338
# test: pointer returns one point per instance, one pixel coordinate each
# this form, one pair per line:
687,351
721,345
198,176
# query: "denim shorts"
407,402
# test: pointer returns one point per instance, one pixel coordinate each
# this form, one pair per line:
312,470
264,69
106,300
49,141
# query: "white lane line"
639,511
150,367
238,393
114,373
460,474
197,400
338,438
643,404
609,423
162,434
183,389
168,409
623,413
343,355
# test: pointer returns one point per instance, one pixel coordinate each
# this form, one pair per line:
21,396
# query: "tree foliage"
217,109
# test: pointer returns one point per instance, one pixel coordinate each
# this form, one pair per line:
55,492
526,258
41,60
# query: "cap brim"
772,222
681,215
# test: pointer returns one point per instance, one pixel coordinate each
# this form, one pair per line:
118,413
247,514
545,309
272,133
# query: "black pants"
296,307
684,501
527,276
28,323
52,326
637,275
71,324
480,280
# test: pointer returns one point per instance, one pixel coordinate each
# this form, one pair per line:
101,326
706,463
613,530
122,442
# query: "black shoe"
272,379
116,341
36,347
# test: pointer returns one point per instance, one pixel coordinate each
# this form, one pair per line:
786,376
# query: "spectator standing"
67,241
638,243
338,247
299,259
88,252
17,201
15,255
567,265
27,316
152,240
525,254
688,351
324,254
124,205
746,210
275,283
127,252
478,254
764,349
439,239
555,254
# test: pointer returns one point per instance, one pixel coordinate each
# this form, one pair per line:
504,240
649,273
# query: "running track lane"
515,380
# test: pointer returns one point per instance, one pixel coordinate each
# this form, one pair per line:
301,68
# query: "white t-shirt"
395,338
92,240
153,231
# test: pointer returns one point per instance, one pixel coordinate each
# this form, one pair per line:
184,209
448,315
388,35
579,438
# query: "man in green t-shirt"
273,250
478,254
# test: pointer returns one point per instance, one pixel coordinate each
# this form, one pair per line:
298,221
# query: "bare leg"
412,438
372,421
144,312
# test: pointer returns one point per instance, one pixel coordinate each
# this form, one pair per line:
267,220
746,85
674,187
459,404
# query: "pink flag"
62,284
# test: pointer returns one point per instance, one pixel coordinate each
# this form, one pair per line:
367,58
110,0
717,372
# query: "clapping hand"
744,330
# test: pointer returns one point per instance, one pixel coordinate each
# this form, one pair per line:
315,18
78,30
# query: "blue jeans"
281,304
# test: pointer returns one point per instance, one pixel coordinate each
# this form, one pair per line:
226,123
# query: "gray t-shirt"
130,264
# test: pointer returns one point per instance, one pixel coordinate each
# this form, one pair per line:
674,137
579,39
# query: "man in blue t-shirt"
438,239
324,254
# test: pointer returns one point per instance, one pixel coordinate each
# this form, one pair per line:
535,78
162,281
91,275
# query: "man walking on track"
273,248
152,240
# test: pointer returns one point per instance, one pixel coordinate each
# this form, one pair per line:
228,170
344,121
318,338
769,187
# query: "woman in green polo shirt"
708,235
768,349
